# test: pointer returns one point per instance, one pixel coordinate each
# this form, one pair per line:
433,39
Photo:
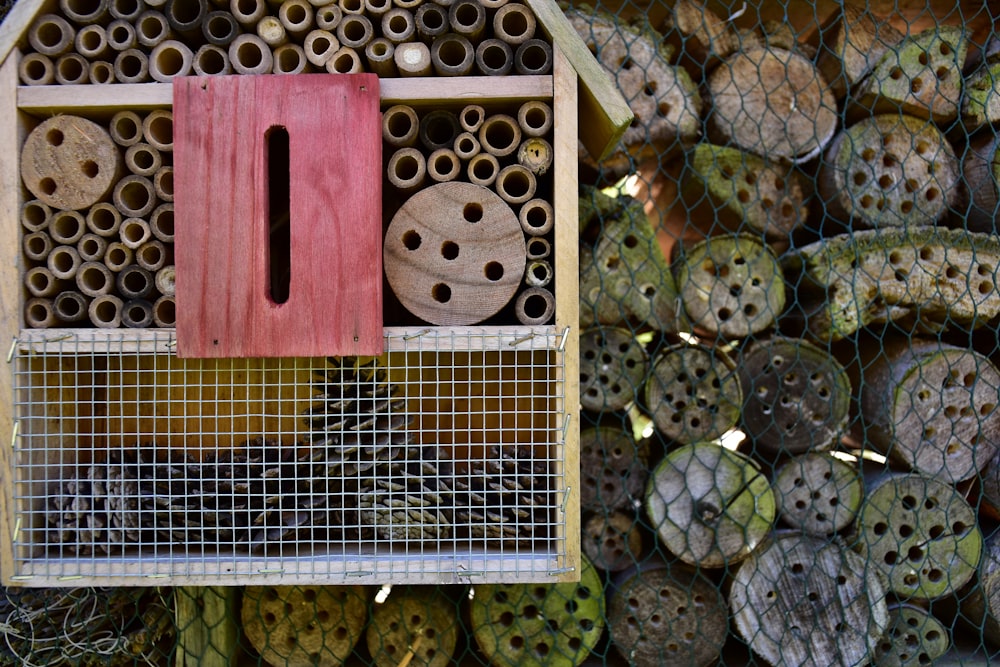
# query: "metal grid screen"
420,464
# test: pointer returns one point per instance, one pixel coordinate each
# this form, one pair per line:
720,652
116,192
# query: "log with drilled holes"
612,367
981,171
981,98
711,507
668,615
920,534
981,604
418,622
613,468
850,44
818,493
925,278
805,601
698,36
930,406
612,540
796,396
914,638
889,170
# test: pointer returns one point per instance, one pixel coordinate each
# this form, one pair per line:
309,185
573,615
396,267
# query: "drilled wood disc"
69,162
539,625
612,366
731,285
809,602
921,534
817,493
304,626
454,254
914,639
612,541
711,507
418,623
613,468
796,396
667,616
693,394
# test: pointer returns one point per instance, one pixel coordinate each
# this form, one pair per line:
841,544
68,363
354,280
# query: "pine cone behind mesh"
411,497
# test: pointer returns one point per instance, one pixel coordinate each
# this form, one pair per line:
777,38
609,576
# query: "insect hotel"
292,328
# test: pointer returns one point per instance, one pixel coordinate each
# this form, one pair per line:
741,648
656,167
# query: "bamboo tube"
500,135
536,217
165,311
534,57
134,232
328,17
137,314
431,21
151,255
36,246
163,183
398,25
490,4
220,28
67,227
132,66
151,28
125,10
536,155
186,16
662,613
535,306
118,256
494,57
106,311
319,46
290,59
355,31
413,59
39,314
612,367
84,12
63,261
408,4
94,279
72,69
211,60
36,69
249,54
452,55
376,8
126,128
355,7
443,165
538,273
170,59
248,13
51,35
471,118
40,282
920,534
101,72
612,541
134,282
158,129
483,169
515,184
142,159
817,493
92,247
466,145
514,24
407,169
380,54
468,19
345,61
534,118
400,126
120,35
70,306
538,247
161,223
134,196
297,17
165,280
35,215
92,42
104,219
806,601
438,129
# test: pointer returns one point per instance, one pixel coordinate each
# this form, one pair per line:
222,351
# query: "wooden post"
207,628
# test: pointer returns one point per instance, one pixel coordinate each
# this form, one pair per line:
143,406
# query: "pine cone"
410,498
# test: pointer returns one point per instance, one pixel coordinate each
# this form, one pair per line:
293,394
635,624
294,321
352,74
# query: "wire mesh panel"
438,460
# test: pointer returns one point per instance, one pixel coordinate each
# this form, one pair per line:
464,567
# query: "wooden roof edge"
16,24
604,113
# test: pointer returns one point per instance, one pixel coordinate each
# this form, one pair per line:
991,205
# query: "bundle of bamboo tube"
157,43
99,240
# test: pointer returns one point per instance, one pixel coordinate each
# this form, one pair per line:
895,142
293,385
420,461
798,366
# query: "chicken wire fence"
788,384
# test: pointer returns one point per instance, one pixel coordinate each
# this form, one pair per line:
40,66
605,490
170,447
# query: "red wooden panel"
224,304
